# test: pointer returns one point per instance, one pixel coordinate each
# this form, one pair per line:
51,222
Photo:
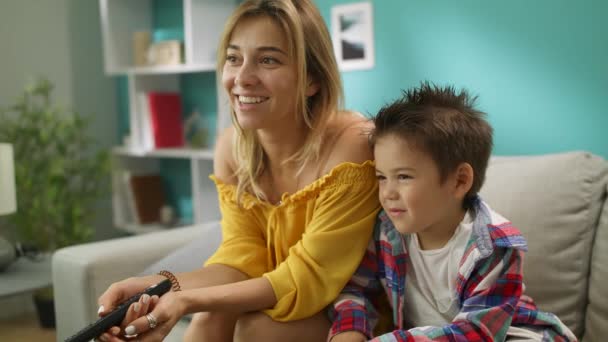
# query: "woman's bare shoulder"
224,165
349,133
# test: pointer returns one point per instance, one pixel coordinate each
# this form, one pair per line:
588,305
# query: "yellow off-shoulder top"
309,245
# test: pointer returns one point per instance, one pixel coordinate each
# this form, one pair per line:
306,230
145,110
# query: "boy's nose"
389,192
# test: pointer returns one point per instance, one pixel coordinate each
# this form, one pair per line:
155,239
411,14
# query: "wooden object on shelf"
146,196
141,44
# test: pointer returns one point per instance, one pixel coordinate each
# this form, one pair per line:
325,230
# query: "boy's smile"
412,194
395,212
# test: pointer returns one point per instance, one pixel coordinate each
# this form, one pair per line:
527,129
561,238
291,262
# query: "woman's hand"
152,324
122,291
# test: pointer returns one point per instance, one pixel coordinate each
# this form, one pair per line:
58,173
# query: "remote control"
115,317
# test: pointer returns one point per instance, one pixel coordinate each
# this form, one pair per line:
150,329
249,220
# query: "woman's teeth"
251,99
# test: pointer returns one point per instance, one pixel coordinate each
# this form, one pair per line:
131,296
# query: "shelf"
187,153
164,69
141,229
137,229
202,23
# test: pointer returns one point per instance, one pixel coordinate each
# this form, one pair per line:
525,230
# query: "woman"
297,191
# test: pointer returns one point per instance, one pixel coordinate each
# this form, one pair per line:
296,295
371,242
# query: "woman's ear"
464,175
312,88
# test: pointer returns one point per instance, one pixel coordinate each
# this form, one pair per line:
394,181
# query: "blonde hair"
310,46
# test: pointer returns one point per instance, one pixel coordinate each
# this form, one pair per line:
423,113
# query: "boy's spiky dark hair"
445,124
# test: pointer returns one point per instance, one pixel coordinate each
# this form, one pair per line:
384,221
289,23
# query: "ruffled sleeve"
334,241
243,244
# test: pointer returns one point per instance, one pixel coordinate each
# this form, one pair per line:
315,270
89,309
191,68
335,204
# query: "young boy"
448,266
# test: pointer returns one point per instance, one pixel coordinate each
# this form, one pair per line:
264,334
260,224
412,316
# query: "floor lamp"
8,203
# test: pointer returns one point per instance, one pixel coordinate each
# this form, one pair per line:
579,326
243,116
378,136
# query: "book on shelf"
146,135
145,197
165,114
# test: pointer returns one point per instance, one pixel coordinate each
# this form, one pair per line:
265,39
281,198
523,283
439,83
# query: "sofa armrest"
81,273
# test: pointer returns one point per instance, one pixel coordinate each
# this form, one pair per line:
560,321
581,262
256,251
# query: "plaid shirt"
487,310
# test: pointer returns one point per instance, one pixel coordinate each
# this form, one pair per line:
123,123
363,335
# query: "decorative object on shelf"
167,47
141,44
58,177
353,35
8,202
167,216
196,133
168,52
163,34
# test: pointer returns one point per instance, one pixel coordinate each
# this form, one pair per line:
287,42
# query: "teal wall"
540,67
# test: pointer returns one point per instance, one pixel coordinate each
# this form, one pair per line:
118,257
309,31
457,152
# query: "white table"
25,275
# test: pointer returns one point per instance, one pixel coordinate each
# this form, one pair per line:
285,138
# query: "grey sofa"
558,201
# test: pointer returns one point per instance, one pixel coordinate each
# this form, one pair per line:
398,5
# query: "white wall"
33,41
61,39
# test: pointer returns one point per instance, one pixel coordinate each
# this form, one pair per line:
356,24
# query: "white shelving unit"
203,22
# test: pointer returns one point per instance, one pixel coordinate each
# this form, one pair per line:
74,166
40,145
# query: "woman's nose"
245,75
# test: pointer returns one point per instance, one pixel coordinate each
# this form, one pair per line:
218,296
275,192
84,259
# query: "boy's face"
410,189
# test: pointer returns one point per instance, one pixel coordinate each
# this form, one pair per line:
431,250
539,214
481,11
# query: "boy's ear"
463,180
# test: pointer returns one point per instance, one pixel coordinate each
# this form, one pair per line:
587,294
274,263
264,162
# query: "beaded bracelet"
174,283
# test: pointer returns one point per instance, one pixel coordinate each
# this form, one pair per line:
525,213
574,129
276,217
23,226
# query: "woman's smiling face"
259,75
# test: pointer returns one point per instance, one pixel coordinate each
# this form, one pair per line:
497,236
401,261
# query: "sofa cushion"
191,255
555,200
187,258
596,328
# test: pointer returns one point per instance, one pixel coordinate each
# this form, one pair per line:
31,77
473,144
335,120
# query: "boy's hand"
349,336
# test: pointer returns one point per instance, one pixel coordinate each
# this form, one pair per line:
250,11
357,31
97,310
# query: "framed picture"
353,35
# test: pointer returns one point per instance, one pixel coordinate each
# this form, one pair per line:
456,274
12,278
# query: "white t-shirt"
430,293
430,286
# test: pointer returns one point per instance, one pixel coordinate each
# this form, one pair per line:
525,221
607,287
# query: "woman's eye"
380,177
404,177
231,59
269,60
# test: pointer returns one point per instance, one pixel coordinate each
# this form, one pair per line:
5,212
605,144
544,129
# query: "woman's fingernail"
136,307
130,330
103,338
145,298
115,331
100,310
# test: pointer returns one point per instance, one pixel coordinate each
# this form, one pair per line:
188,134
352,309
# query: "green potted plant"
58,176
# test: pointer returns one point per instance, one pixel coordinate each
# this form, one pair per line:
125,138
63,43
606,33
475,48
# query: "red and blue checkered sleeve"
353,309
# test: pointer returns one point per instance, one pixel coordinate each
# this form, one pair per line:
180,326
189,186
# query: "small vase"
45,308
